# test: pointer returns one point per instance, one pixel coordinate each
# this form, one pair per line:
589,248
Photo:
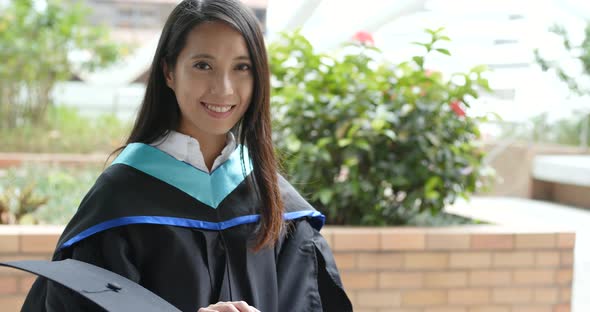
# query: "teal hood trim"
209,189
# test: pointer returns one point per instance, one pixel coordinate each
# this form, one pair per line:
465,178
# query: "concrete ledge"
562,179
17,159
566,169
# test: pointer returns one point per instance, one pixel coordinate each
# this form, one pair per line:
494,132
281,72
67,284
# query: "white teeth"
219,109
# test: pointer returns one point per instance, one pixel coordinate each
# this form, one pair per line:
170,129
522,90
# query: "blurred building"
132,14
135,21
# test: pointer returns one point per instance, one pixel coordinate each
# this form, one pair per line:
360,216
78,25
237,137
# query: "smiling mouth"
218,108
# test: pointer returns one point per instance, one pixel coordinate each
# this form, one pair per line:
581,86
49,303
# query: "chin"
223,131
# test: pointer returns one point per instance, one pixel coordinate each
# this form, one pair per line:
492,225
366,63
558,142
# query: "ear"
168,75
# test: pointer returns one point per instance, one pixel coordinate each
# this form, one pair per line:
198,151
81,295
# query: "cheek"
190,89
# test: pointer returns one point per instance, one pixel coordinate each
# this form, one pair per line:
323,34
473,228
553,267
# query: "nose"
222,84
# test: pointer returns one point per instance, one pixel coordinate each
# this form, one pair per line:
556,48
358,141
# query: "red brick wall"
18,243
464,269
460,269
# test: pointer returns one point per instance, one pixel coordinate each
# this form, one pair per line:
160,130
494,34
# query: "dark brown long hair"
160,112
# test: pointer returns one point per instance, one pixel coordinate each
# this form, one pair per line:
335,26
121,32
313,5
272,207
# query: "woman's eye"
202,66
243,67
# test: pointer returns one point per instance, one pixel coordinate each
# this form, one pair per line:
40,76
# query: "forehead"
216,37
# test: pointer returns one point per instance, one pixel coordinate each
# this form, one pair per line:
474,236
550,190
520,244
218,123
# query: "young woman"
193,208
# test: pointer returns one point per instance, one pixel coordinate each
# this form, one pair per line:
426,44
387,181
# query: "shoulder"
104,201
112,183
292,200
296,207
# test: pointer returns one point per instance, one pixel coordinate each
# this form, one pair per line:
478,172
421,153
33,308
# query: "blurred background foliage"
44,193
568,131
573,131
65,130
580,53
36,47
374,143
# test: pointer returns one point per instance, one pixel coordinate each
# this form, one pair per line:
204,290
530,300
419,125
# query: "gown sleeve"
108,249
308,278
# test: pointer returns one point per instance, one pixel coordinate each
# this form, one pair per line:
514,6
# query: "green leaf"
323,142
341,131
399,181
444,51
484,84
293,144
353,130
430,188
433,182
479,69
432,195
390,134
420,44
495,116
419,60
362,144
344,142
325,195
433,139
351,161
438,30
378,124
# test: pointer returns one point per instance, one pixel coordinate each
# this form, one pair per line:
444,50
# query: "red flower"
364,37
456,107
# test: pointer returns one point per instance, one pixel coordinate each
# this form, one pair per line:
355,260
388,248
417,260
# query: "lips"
218,110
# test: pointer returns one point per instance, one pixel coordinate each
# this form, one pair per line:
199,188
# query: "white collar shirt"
187,149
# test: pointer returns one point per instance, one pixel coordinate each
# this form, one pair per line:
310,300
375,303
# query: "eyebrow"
209,56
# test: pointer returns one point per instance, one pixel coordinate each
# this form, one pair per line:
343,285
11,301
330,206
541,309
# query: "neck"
211,145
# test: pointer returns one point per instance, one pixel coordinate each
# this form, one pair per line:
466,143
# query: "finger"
224,307
242,306
205,310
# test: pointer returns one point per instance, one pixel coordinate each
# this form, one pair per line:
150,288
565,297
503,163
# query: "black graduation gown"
186,235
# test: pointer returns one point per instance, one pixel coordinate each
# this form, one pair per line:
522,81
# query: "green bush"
19,204
540,129
44,194
66,131
370,142
35,48
568,131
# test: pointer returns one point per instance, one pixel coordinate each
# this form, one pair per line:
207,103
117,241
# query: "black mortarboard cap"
111,291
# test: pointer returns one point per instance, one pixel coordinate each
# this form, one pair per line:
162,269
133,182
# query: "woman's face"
212,80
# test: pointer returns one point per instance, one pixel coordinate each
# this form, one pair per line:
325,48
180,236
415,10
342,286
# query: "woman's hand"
234,306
